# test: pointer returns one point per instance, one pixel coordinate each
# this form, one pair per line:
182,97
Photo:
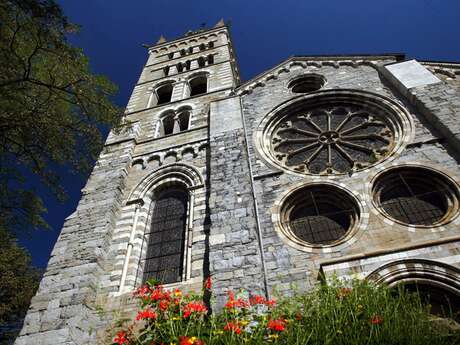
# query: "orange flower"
376,320
159,293
194,307
232,327
146,314
344,292
121,339
177,293
276,325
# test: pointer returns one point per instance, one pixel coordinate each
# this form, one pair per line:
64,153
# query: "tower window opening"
168,125
202,47
187,65
184,119
201,62
170,56
164,260
164,94
211,44
182,52
190,50
198,85
210,59
166,71
180,67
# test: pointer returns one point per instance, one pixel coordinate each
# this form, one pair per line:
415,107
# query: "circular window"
319,214
334,132
416,196
307,83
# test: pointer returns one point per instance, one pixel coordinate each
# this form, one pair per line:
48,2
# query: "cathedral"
320,167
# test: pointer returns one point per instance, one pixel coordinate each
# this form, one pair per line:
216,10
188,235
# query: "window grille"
320,215
415,196
166,239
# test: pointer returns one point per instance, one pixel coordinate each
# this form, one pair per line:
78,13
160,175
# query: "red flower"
376,320
183,340
163,305
146,314
276,325
121,338
194,307
207,283
257,299
232,327
235,303
158,294
270,303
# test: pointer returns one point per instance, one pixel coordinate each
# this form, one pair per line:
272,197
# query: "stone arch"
188,150
181,173
418,270
138,164
437,283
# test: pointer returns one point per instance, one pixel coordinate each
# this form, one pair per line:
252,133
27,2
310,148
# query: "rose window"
332,139
333,132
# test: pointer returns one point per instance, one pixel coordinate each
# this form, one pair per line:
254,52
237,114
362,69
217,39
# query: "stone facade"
234,228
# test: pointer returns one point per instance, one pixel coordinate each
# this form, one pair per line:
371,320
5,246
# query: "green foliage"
360,313
18,283
53,110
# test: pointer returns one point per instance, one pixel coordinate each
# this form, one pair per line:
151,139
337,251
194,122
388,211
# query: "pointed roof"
162,39
220,23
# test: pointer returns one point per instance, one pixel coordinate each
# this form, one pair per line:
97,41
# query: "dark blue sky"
264,32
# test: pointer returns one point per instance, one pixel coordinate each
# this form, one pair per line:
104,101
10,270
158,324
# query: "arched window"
182,52
201,62
168,125
184,119
166,71
180,67
202,46
211,44
164,93
187,65
198,85
164,260
190,50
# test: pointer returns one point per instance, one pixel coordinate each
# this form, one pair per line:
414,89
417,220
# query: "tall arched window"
168,125
164,260
198,85
184,119
164,93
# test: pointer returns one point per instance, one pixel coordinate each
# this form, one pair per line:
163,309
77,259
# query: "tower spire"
162,39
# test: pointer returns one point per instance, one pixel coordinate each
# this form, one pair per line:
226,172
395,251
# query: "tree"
53,110
18,283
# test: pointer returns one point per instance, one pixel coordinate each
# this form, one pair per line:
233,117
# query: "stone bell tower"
144,212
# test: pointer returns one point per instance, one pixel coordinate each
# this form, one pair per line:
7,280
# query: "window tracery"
333,132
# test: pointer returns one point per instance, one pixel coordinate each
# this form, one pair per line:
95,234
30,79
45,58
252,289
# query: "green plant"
359,313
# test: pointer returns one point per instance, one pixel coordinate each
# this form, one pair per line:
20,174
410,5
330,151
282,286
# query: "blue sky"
264,33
